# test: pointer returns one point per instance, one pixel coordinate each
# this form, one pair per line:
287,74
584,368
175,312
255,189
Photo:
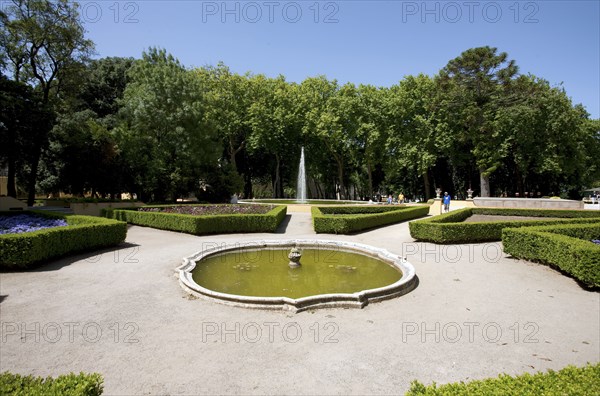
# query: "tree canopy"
154,128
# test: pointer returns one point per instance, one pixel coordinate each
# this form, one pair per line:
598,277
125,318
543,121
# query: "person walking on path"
446,202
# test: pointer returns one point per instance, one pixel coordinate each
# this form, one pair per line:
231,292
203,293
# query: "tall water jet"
301,188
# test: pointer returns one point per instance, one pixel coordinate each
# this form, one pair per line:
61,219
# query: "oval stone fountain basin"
331,274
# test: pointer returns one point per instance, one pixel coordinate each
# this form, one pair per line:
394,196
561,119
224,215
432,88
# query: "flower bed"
21,250
568,247
348,219
451,228
27,223
198,224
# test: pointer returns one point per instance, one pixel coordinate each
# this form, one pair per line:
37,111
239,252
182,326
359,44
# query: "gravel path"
476,313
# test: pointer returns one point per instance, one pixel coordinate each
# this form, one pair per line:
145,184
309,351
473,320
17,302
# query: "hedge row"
569,381
82,233
360,209
451,228
70,385
345,220
567,247
202,225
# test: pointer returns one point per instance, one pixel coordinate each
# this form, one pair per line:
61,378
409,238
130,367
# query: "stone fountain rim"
357,300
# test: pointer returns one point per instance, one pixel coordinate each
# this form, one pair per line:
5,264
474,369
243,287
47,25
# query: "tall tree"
330,119
165,134
275,124
474,85
229,96
44,43
416,136
549,139
83,155
22,119
373,111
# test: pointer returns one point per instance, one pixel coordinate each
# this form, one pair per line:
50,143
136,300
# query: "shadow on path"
284,224
56,264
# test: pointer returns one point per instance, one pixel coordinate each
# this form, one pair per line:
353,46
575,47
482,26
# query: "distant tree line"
155,128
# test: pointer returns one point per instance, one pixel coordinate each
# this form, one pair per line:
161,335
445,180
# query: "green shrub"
83,233
357,210
569,381
71,385
567,247
451,228
202,225
348,219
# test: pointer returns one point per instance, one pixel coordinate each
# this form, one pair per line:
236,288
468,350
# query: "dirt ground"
476,313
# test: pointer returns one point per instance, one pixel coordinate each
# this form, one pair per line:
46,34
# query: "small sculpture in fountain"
294,256
470,193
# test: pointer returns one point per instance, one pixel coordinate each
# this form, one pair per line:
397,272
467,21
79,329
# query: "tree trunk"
484,180
11,188
341,178
520,184
33,176
320,194
370,175
233,153
277,190
248,185
427,184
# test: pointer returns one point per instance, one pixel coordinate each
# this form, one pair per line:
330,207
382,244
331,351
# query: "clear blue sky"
370,42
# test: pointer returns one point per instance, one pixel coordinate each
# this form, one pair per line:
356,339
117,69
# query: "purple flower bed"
596,241
212,209
27,223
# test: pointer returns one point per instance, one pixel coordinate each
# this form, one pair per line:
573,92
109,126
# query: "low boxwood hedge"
451,228
567,247
71,385
83,233
348,219
202,225
569,381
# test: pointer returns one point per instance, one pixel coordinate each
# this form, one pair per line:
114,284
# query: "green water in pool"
265,273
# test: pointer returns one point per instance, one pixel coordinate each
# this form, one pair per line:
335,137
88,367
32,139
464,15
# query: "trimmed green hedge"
83,233
202,225
569,381
71,385
567,247
348,219
450,227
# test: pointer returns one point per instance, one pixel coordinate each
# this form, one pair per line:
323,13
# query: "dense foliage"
202,224
349,219
569,381
568,247
451,228
83,233
154,128
68,385
42,44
